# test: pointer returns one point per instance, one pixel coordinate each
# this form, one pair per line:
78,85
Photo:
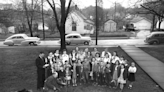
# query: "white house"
77,23
161,26
141,23
40,26
110,26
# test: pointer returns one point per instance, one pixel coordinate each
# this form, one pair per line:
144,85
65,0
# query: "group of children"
98,68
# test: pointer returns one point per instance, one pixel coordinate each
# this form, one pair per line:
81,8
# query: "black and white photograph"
81,45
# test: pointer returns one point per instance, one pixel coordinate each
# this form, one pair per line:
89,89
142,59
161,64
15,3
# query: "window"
161,35
69,37
14,37
74,26
19,37
156,35
76,36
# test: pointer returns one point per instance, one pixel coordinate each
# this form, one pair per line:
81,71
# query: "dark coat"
40,72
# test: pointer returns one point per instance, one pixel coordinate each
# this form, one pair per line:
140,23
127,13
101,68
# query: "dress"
132,71
115,73
121,78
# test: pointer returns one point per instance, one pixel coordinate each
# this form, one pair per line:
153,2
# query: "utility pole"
43,22
96,23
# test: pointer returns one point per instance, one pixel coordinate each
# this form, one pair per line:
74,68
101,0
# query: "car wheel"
156,42
11,44
86,43
31,43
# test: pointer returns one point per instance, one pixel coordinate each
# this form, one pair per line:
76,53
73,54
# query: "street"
100,42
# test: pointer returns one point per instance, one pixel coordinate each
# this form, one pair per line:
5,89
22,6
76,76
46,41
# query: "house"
141,23
110,26
77,23
40,26
161,25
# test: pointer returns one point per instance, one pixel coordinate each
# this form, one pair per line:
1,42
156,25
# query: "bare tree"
156,7
29,9
61,20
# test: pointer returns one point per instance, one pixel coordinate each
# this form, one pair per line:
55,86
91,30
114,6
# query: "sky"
85,3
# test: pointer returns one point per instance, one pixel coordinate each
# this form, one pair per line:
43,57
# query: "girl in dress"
49,60
132,70
114,58
73,56
122,76
65,57
68,76
115,73
74,75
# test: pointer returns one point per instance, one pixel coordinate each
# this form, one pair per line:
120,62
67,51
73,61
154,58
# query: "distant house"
77,23
161,25
5,6
40,26
110,26
141,23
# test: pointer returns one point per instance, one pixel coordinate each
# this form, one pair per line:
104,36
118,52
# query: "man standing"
41,65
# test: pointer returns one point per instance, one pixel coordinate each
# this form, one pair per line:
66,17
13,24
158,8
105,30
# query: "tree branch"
55,13
153,11
68,8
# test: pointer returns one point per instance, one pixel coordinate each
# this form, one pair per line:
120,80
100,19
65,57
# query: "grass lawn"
18,71
157,52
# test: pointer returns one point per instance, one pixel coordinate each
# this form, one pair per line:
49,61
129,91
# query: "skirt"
115,77
121,80
131,77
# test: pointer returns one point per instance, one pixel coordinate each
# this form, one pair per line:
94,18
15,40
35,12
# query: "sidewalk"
152,66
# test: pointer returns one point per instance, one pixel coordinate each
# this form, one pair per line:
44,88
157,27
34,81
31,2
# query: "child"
68,76
79,68
95,70
74,75
56,54
73,56
86,69
106,58
108,74
61,74
122,76
101,73
81,55
65,57
132,70
115,73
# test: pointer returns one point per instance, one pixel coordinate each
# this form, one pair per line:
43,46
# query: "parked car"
155,38
76,38
21,39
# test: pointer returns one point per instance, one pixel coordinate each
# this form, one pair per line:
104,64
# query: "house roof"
137,19
82,16
109,20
